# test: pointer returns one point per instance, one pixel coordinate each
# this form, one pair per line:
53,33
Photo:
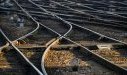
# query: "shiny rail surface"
70,25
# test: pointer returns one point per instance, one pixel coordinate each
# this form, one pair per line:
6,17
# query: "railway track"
96,11
14,28
78,19
26,52
12,62
106,5
95,16
66,34
94,8
67,59
69,7
20,53
92,25
93,12
86,9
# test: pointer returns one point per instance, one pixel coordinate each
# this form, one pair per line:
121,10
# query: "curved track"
30,34
39,72
70,24
94,32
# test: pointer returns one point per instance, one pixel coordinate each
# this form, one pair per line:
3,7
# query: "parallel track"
63,36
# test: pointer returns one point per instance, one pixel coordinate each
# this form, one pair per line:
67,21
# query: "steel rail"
99,11
31,64
70,26
76,25
91,13
103,2
38,71
35,15
97,17
29,17
61,9
83,27
56,33
26,59
7,38
79,5
93,4
95,32
47,16
35,20
88,29
46,51
116,21
119,2
32,19
34,12
88,51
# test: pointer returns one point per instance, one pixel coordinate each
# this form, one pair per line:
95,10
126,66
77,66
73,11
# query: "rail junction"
63,37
